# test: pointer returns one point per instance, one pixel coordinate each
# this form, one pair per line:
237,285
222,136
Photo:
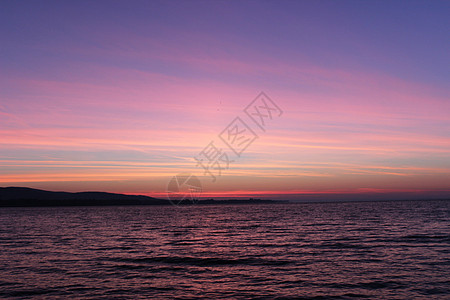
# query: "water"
391,250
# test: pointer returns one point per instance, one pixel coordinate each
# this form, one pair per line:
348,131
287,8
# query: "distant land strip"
29,197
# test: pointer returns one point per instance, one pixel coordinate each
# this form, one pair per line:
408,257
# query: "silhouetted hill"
20,196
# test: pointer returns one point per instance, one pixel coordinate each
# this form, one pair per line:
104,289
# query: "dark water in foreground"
394,250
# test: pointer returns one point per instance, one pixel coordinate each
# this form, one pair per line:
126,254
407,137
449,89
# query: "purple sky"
122,95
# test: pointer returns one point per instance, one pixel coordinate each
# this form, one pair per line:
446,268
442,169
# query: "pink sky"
123,109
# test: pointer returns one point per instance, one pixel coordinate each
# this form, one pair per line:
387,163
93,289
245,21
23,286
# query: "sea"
346,250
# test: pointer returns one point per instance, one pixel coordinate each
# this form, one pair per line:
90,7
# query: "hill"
21,196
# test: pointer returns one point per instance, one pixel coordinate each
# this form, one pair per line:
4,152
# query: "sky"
121,96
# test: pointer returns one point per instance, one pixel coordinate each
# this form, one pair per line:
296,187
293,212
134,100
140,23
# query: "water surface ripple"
390,250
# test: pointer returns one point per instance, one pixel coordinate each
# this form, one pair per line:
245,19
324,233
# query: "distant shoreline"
29,197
